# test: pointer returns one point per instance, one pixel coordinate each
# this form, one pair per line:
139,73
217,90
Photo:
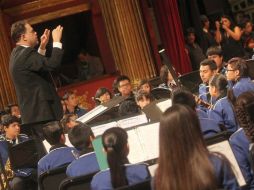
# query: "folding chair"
51,179
77,183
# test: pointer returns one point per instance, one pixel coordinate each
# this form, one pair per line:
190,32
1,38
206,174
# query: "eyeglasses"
230,70
124,85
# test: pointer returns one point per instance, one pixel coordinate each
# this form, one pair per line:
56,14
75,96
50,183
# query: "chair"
77,183
145,185
51,179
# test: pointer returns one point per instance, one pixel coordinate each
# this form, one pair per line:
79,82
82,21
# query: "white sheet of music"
149,139
136,153
92,113
163,106
132,121
99,129
225,149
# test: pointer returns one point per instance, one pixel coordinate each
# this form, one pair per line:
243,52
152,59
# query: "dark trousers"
36,132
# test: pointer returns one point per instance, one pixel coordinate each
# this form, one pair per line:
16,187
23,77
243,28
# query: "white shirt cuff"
57,45
42,51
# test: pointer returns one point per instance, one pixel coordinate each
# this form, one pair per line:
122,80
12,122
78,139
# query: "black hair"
101,91
190,31
128,107
79,137
121,78
115,141
220,82
17,29
52,132
209,62
164,74
141,94
183,97
238,63
214,50
66,119
203,19
8,119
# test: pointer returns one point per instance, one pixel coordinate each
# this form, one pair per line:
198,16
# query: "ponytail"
115,144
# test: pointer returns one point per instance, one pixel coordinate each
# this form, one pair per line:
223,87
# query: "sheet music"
91,114
149,139
164,105
132,121
225,149
136,153
99,129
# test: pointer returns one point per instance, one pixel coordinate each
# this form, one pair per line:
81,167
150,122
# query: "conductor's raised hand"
44,39
57,33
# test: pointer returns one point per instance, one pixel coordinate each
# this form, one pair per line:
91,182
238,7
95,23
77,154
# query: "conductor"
30,72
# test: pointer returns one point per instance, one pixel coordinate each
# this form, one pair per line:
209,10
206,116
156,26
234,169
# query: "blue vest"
56,158
85,164
135,173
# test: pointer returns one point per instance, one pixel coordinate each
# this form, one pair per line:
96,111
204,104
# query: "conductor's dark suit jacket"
36,95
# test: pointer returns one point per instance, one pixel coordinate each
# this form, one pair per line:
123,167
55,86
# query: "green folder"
100,154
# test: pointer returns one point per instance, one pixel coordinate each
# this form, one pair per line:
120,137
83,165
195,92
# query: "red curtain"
171,33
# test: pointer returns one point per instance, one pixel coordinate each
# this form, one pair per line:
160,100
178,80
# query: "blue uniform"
240,146
135,173
201,113
223,172
243,85
56,158
24,172
223,113
78,111
209,127
85,164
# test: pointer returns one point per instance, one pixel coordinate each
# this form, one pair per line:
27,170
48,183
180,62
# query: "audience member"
81,137
207,36
194,51
120,172
229,37
247,38
20,179
59,154
215,53
184,161
71,101
222,110
88,66
102,95
241,140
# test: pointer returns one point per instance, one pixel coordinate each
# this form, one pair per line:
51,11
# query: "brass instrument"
6,175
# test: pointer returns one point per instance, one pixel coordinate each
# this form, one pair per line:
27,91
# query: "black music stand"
191,81
250,66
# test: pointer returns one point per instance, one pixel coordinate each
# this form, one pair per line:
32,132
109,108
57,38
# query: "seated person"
59,154
123,85
68,122
128,108
13,109
215,53
184,161
241,140
209,127
144,85
143,98
102,95
222,110
18,178
71,101
120,172
81,137
206,70
237,72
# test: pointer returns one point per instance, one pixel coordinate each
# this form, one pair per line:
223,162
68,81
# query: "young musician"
120,172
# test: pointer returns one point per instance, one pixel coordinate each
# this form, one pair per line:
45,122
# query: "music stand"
23,155
250,66
191,81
